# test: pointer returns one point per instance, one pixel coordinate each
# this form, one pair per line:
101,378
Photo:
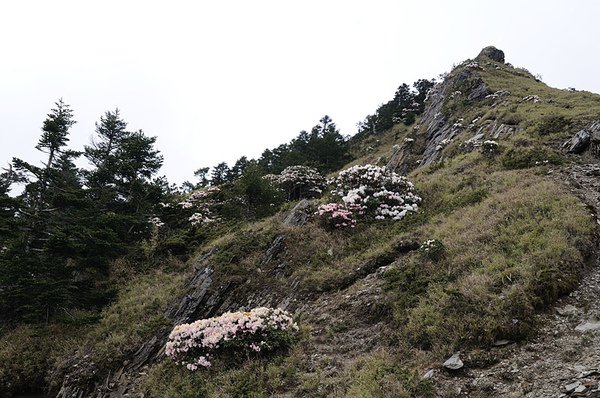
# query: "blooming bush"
433,249
301,182
335,215
203,203
489,148
376,191
262,329
156,222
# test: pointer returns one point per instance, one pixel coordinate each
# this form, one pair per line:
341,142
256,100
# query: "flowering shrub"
203,204
432,249
335,215
474,65
489,148
376,191
262,329
156,222
301,182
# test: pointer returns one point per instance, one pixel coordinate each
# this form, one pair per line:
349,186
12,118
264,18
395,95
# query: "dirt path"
564,359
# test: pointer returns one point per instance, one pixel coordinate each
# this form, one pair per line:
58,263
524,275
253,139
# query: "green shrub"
27,353
552,124
521,158
432,249
380,376
513,253
166,380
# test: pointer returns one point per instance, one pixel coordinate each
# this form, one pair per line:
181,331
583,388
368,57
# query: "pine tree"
110,131
121,182
219,174
36,278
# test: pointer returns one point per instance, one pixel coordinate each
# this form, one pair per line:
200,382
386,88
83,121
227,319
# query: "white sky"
215,80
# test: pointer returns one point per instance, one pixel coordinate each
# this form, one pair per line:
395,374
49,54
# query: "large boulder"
492,53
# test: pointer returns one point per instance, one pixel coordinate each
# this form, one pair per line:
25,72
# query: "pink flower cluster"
335,215
194,344
381,193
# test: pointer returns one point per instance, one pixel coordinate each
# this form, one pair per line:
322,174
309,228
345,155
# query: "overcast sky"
215,80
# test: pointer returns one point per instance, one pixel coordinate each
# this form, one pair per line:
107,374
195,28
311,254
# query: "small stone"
429,374
589,373
454,362
588,326
569,388
500,343
567,310
580,389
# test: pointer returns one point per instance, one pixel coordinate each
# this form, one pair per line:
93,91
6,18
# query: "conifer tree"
36,278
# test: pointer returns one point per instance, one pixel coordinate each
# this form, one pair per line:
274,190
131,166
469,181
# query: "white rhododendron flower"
377,191
301,182
202,202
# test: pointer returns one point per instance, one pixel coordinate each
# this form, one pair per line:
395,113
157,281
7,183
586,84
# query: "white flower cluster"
377,191
203,203
301,182
433,249
156,222
474,65
194,344
498,94
489,147
428,245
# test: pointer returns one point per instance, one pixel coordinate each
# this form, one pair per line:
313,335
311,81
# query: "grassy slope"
515,239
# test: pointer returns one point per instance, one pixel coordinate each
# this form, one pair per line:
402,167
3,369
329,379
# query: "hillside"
506,168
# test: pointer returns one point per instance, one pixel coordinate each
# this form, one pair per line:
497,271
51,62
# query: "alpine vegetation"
262,329
336,215
379,192
301,182
203,203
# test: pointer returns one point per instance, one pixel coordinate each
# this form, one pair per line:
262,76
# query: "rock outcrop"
584,139
492,53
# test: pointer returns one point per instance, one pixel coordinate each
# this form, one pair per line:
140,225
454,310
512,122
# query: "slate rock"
579,142
454,362
569,388
300,214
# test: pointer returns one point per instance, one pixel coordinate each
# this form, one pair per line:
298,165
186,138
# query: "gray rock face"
594,129
398,162
300,214
589,137
579,142
438,127
480,91
492,53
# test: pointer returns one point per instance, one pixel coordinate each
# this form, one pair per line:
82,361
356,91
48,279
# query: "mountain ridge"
376,312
